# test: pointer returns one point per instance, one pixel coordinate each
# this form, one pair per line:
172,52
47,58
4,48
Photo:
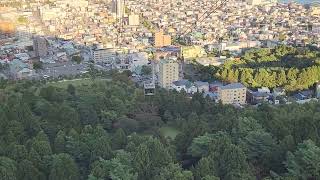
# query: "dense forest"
284,66
109,130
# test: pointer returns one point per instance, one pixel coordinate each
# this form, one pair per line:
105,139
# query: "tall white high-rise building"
118,8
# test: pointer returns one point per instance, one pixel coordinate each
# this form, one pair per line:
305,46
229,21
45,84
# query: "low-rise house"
137,60
122,63
24,57
62,57
185,85
264,90
20,70
213,87
278,92
213,96
318,90
24,73
303,95
202,86
257,97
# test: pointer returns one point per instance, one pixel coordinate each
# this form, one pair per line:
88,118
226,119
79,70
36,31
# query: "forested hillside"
108,130
284,66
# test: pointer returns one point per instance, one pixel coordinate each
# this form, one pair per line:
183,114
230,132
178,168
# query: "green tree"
173,172
117,168
8,169
205,169
22,20
261,150
37,65
149,157
60,142
146,70
71,89
107,118
304,162
18,152
210,178
27,171
119,139
63,167
77,59
281,78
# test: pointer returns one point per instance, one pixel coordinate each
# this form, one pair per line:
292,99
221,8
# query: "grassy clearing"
76,82
168,131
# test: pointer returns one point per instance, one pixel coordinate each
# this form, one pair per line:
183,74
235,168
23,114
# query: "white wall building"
134,20
118,8
103,54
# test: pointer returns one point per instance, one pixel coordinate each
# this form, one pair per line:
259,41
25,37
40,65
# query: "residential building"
40,46
202,86
192,52
279,92
137,60
180,85
168,72
214,86
6,27
134,20
257,97
260,2
103,55
118,8
316,28
318,90
254,2
161,40
234,93
184,85
315,10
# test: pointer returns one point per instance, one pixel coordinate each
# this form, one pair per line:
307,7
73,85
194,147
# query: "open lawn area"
168,131
75,82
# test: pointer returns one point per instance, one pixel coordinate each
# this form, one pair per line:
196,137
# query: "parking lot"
62,69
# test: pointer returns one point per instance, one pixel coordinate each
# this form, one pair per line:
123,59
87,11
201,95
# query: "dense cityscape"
159,90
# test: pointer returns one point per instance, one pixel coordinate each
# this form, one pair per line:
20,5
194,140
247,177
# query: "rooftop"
233,86
183,82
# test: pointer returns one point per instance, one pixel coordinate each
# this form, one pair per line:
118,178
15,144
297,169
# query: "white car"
46,76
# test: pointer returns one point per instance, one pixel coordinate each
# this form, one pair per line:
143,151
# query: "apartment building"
118,8
103,54
40,46
134,20
161,40
234,93
168,72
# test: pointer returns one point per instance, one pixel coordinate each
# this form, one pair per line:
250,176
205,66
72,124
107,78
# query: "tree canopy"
110,130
